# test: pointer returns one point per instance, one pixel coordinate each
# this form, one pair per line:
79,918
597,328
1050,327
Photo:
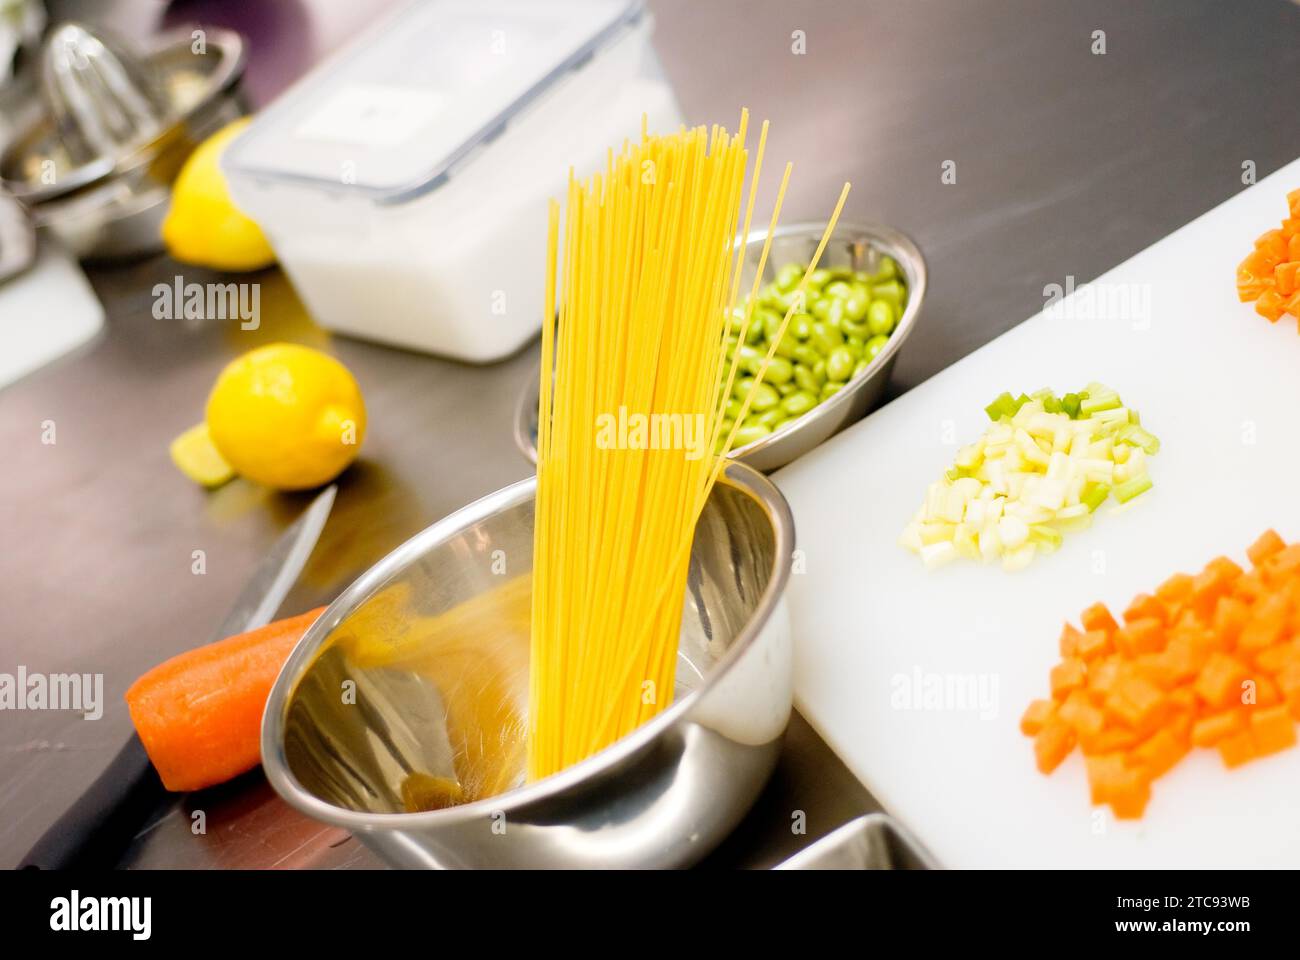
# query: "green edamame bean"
819,278
768,418
819,372
779,371
748,360
748,434
788,276
821,308
839,364
829,390
800,326
855,307
881,318
874,346
891,290
855,349
886,270
825,338
807,354
803,376
835,313
740,389
765,398
786,347
837,289
799,403
732,410
785,389
860,366
855,331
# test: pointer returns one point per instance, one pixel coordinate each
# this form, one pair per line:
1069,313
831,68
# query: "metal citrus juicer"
95,167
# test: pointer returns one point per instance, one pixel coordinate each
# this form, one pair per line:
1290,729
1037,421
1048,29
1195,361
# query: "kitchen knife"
99,826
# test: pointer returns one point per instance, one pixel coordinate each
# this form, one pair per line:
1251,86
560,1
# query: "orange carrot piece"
1230,617
1274,243
199,714
1068,675
1210,729
1129,795
1273,730
1069,641
1097,617
1176,589
1110,740
1078,711
1293,246
1146,607
1137,703
1145,635
1268,544
1093,644
1159,754
1264,628
1219,682
1037,715
1053,744
1104,771
1237,748
1284,563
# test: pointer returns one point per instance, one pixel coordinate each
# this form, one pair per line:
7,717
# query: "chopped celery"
1003,405
1045,536
1070,405
1051,405
1097,403
1094,495
1129,489
1139,437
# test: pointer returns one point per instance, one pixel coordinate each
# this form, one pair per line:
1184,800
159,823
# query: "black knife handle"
96,829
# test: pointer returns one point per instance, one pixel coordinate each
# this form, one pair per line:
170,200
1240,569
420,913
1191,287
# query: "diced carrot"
1212,728
1053,744
1250,587
1219,682
1293,246
1078,711
1176,589
1293,202
1273,243
1104,771
1284,279
199,714
1110,740
1146,607
1260,263
1137,703
1097,617
1069,641
1036,716
1102,677
1270,305
1237,748
1273,730
1268,544
1249,288
1230,616
1068,675
1146,635
1159,754
1129,795
1275,659
1264,628
1284,563
1093,644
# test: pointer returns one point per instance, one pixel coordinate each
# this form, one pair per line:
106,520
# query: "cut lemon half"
199,459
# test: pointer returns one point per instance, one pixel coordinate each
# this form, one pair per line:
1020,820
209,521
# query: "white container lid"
394,115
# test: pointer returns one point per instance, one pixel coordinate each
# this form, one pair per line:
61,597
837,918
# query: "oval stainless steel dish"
859,246
401,715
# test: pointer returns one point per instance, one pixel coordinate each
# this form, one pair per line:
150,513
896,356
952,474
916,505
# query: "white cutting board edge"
866,612
45,313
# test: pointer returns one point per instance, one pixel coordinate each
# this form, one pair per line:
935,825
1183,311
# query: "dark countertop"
1067,163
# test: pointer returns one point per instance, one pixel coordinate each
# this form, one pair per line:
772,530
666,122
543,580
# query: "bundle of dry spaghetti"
630,436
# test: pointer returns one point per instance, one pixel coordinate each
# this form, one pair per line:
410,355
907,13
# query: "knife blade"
101,824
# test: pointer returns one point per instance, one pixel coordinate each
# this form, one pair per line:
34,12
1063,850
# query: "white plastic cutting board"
1220,386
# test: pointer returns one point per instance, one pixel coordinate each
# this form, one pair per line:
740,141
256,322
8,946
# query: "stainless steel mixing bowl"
411,692
858,246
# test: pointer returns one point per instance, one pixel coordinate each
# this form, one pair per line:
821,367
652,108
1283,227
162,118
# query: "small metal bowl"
857,246
410,693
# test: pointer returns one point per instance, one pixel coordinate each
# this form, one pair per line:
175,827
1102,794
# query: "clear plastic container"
404,183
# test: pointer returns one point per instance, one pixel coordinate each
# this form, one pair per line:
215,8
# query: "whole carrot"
199,714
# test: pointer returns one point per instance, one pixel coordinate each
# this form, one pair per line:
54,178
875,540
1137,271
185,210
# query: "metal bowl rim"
275,764
891,241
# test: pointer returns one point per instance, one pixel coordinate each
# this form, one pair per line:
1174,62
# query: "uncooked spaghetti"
631,431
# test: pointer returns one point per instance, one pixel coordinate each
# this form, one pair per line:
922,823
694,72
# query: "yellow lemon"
203,226
287,416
